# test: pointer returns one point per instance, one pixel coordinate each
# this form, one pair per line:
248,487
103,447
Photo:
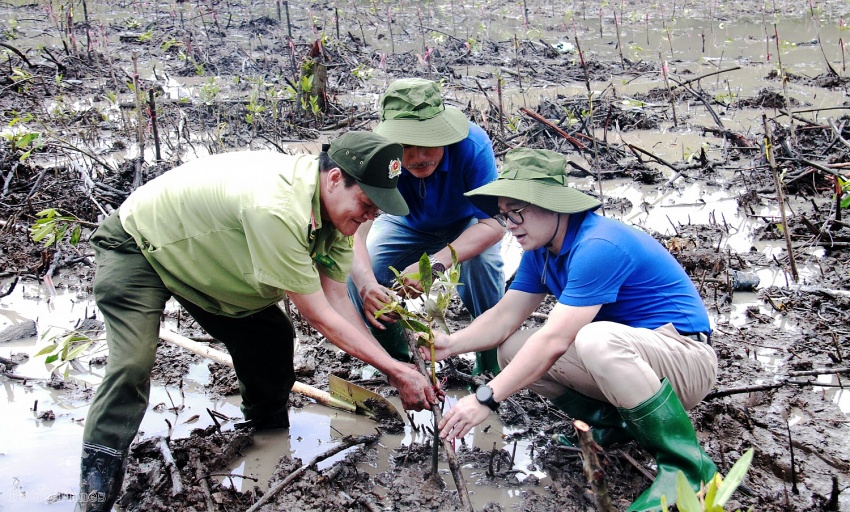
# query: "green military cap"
375,163
413,113
536,176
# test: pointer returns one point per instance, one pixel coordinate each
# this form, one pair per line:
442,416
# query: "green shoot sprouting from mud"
438,286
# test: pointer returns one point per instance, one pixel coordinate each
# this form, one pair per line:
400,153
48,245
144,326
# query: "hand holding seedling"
459,420
410,281
375,297
410,384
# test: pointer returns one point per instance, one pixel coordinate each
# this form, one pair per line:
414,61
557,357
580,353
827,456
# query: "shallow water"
40,459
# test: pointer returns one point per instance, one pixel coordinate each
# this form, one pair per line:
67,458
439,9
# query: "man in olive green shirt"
229,236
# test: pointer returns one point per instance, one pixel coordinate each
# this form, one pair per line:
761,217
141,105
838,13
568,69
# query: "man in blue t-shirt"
626,348
445,156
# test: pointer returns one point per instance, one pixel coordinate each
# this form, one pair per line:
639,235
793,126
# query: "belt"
700,337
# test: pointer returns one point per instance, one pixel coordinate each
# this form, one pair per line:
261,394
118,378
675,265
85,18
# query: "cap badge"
395,168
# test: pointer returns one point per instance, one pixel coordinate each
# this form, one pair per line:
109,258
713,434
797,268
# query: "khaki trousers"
624,365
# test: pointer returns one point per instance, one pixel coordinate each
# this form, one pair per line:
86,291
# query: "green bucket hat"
375,163
413,113
537,176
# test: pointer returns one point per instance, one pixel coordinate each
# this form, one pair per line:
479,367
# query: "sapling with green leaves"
66,348
52,226
716,492
438,286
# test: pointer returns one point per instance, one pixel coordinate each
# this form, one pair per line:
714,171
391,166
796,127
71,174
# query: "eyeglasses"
514,216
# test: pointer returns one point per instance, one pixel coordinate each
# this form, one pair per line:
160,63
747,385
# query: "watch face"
484,394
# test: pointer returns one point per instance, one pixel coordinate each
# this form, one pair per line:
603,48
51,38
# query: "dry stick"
152,107
195,462
336,17
682,83
784,79
703,100
17,52
516,57
664,70
794,488
542,120
347,442
501,107
837,132
140,127
176,482
592,469
654,157
819,371
451,456
619,41
590,124
392,39
768,147
669,40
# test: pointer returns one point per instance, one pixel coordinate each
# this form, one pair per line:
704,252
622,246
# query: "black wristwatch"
484,394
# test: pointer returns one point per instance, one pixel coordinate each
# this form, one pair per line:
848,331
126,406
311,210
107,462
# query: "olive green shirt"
233,232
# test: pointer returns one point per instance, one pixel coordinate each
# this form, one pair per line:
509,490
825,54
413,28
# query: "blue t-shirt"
604,261
437,202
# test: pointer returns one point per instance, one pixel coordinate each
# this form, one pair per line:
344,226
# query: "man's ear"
334,177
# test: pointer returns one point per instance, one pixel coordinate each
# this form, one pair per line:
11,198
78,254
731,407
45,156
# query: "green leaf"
416,326
25,139
686,498
75,235
46,350
437,314
73,354
51,358
426,278
734,478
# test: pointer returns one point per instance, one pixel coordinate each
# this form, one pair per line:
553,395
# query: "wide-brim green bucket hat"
413,113
536,176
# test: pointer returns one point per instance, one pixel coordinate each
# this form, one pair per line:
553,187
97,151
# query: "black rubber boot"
101,475
279,419
607,426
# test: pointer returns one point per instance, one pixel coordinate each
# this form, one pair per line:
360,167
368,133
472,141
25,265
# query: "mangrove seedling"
438,285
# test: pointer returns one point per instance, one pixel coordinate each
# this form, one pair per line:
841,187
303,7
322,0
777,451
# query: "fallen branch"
542,120
347,442
592,469
17,52
195,462
697,79
168,457
781,383
741,390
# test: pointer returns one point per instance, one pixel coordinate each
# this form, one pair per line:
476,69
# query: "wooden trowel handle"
323,397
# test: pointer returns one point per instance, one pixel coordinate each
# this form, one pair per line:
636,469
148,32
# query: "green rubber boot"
394,341
486,361
607,426
662,426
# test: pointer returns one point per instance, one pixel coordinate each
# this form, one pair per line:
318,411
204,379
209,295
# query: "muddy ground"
65,98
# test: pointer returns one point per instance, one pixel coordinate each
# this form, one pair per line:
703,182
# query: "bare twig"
347,442
451,456
780,196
